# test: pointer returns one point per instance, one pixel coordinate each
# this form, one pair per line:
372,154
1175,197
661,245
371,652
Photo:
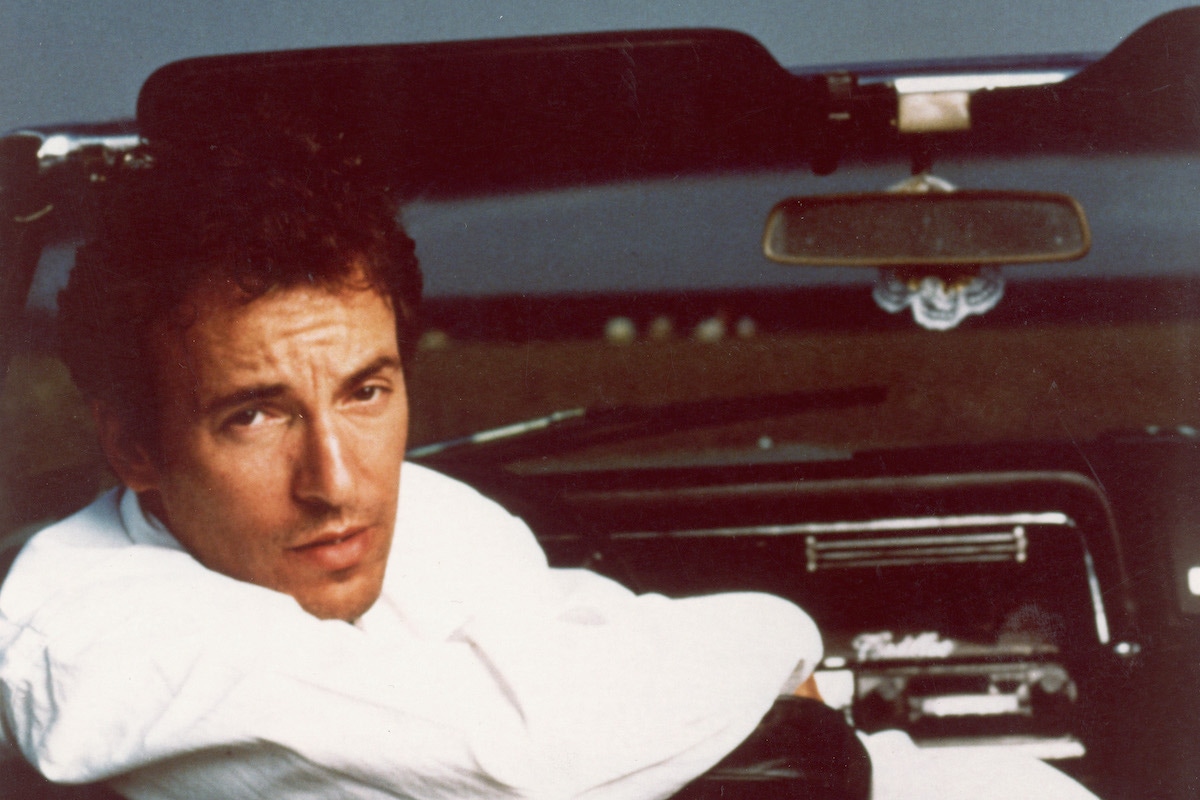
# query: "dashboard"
1031,597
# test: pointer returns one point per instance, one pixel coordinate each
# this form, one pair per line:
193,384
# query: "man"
271,604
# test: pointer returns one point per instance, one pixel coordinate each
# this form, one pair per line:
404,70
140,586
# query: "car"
911,344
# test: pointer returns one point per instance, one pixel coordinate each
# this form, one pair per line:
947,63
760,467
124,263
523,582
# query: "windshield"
691,234
655,293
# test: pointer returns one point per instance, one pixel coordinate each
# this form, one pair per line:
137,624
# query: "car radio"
949,692
962,628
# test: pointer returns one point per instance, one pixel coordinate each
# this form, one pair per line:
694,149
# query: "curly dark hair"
274,214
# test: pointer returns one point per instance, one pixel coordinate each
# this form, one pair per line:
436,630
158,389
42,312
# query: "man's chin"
346,601
341,579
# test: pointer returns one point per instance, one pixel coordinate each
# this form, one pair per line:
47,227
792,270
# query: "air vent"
898,550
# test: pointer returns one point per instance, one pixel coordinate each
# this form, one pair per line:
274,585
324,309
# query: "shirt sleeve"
648,691
641,687
173,681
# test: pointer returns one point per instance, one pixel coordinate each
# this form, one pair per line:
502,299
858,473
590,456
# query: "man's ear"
128,457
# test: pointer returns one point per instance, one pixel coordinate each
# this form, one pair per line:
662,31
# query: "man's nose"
323,475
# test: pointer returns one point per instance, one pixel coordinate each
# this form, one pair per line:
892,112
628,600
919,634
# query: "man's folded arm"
583,696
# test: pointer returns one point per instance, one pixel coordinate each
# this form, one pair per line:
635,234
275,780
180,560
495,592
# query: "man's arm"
199,684
543,710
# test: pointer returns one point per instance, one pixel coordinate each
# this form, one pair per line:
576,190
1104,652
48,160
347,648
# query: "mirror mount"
938,297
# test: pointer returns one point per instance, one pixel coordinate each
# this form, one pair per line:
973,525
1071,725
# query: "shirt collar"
143,527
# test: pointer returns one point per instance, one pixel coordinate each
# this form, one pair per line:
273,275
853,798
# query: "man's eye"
365,394
245,418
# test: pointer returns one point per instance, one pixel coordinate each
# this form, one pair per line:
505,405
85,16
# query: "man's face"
283,429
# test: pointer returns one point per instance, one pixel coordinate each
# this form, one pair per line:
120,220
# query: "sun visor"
485,115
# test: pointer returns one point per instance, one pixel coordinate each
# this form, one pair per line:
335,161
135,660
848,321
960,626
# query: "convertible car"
914,345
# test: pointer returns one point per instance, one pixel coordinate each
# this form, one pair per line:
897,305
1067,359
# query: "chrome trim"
516,429
1045,748
1102,629
975,547
973,82
862,526
59,146
899,551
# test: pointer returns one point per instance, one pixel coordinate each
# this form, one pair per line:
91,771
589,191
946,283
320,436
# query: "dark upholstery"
801,749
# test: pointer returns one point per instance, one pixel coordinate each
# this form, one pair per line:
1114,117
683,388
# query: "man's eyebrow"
253,394
250,394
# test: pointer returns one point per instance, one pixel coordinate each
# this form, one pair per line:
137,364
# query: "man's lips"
337,550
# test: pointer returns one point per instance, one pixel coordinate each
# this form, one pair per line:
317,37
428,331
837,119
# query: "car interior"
916,346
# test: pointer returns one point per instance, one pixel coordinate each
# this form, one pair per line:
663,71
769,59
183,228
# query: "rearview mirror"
938,229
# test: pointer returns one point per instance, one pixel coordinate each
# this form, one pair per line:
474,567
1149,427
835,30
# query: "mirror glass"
966,228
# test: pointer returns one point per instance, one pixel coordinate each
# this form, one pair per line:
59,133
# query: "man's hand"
800,685
808,689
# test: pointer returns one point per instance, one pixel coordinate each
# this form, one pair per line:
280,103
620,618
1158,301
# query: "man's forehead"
217,288
226,337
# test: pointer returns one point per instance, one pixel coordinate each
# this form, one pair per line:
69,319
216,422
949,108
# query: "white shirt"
480,671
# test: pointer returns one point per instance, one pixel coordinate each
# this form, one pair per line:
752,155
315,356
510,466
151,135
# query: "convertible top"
481,117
